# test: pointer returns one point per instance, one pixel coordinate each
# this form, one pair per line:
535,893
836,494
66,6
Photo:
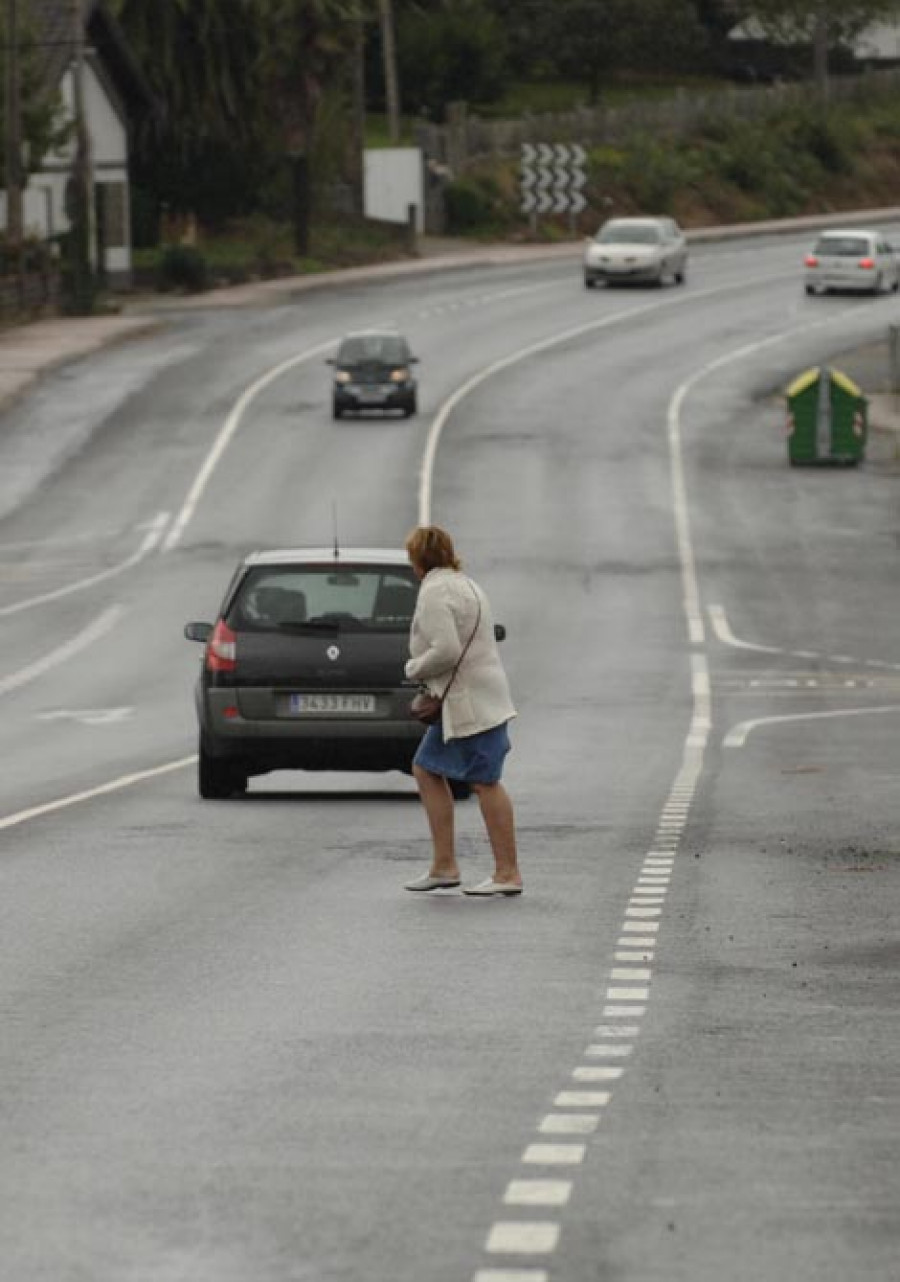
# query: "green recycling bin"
828,419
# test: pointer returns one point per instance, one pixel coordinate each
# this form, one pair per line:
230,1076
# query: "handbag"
427,707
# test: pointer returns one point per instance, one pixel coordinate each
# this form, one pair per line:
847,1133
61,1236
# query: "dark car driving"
373,371
304,668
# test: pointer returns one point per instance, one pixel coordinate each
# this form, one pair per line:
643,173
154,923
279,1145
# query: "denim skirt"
477,758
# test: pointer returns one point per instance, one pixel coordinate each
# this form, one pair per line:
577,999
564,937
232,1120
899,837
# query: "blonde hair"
431,548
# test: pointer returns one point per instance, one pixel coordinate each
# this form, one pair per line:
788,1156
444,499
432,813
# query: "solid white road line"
738,735
114,785
103,624
149,543
230,426
533,349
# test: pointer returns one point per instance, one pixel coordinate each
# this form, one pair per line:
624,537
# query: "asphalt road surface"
233,1049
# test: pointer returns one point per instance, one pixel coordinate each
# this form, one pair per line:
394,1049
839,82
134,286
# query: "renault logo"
333,653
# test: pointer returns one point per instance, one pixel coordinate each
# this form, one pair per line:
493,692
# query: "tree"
450,51
823,24
588,39
306,45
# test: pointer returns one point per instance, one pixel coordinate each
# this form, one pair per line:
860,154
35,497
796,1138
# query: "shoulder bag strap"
468,643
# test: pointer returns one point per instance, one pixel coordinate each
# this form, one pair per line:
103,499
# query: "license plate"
372,398
313,704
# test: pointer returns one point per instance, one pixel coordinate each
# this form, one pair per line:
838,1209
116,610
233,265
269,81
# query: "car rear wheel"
336,410
589,282
217,780
411,408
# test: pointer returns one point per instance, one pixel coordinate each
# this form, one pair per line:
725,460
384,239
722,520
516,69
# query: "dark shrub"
182,267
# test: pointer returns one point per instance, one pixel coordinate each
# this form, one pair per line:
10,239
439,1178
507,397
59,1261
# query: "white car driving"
636,249
851,259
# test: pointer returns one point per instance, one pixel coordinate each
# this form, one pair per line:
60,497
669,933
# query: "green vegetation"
798,162
260,249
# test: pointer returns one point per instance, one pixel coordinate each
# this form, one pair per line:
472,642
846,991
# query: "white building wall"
393,180
44,198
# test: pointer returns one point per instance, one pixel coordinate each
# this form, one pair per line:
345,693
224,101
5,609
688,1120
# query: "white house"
114,92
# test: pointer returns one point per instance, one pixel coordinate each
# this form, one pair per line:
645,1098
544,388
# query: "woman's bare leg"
497,811
438,802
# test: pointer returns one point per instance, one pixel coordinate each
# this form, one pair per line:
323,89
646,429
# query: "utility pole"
358,113
391,88
820,50
81,204
13,139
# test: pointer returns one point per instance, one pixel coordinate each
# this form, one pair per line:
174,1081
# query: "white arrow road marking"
154,533
90,716
738,735
93,632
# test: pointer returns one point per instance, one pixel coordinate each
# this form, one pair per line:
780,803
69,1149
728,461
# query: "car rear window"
387,350
629,234
307,598
842,246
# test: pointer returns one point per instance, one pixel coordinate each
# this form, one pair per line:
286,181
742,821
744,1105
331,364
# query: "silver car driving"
652,250
851,259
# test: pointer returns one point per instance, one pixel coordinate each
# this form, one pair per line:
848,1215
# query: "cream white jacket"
446,611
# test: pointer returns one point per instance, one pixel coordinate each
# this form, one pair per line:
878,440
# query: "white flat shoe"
432,883
491,887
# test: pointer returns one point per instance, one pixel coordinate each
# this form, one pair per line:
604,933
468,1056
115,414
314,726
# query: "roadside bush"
182,267
474,204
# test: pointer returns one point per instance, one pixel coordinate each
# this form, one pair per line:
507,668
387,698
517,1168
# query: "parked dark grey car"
373,371
304,667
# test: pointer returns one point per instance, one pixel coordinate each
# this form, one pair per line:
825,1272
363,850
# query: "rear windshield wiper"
308,625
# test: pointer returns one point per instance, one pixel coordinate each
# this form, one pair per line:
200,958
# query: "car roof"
848,231
653,219
372,333
327,556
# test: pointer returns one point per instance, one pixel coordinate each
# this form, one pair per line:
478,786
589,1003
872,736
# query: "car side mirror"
330,361
413,360
198,631
499,632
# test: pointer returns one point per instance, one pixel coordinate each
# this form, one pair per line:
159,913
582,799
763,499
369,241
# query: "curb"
45,345
58,342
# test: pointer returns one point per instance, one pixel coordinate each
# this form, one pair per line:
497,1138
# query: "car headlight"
342,376
399,375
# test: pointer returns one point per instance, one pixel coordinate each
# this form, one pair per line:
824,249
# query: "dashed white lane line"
510,1275
526,1237
537,1192
569,1124
582,1099
629,985
596,1073
554,1154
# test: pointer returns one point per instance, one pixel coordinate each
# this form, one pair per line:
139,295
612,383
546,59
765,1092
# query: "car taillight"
221,650
867,263
811,260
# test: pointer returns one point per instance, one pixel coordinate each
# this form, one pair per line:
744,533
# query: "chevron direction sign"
552,178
